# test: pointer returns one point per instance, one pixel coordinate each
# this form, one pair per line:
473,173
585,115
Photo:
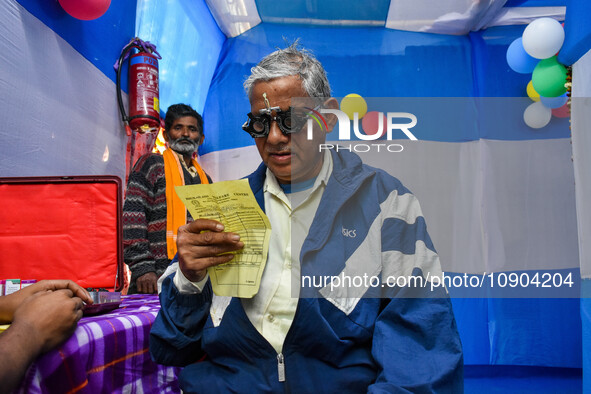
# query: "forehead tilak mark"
267,104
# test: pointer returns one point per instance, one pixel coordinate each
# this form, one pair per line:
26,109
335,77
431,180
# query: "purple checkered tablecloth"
107,353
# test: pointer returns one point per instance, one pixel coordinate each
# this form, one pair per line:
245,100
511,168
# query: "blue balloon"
518,59
554,102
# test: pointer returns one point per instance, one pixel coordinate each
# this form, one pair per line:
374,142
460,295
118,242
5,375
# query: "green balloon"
549,78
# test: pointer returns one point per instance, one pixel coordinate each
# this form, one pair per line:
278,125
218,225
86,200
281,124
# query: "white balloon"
536,115
543,38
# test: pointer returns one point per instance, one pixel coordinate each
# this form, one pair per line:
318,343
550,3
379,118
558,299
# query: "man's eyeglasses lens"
260,125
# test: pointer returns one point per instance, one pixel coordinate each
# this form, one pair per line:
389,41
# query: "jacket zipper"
281,367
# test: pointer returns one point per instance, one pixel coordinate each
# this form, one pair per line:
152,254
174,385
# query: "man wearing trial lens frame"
330,214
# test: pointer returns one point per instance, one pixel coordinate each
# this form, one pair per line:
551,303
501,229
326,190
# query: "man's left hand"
147,283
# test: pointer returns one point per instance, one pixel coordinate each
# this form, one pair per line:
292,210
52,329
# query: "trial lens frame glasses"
288,122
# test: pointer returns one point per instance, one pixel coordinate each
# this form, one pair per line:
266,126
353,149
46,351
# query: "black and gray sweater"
144,217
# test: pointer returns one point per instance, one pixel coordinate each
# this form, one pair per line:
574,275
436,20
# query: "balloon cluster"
85,9
535,52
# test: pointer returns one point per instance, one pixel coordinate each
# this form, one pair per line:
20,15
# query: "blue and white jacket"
345,340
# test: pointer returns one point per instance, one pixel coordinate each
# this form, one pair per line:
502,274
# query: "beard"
185,146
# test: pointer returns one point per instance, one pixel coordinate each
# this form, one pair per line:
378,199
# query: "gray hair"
287,62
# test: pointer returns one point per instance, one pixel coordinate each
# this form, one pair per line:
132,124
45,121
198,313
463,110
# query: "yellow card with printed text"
233,204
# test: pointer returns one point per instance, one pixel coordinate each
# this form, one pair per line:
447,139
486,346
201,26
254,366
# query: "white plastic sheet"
234,17
581,138
59,112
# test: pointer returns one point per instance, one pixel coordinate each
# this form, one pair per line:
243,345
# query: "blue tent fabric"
509,379
527,332
577,32
272,11
472,317
535,3
542,332
185,75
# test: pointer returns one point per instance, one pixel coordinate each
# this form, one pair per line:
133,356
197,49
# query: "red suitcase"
62,228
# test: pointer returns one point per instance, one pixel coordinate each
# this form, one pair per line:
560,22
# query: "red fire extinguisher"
144,103
143,121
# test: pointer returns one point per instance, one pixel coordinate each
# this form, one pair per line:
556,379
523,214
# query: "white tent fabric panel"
234,17
231,164
462,16
62,129
457,17
581,137
493,205
523,15
490,205
445,17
